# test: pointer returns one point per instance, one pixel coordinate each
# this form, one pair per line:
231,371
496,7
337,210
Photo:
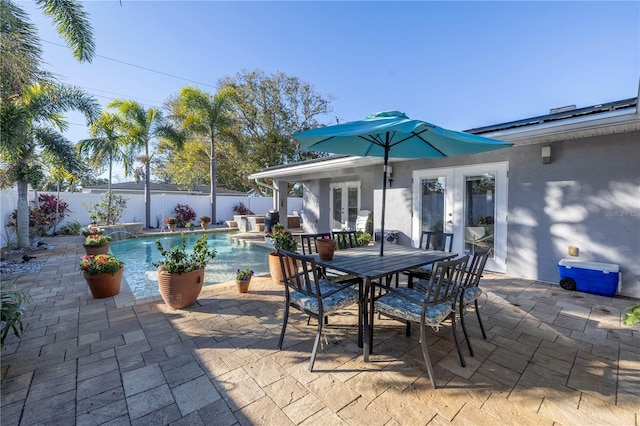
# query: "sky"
459,65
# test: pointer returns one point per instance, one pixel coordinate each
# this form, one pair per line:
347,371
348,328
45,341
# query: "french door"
345,204
470,202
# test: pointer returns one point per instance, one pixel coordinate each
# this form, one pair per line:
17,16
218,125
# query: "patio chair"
315,296
470,291
346,239
308,242
362,220
309,246
430,240
431,307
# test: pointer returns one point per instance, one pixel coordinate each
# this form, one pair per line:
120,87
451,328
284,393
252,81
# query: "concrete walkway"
551,357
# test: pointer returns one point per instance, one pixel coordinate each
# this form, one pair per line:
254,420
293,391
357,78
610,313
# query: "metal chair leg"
425,354
464,329
455,338
284,324
315,344
484,335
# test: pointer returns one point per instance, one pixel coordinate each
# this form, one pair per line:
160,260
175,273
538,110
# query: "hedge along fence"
162,205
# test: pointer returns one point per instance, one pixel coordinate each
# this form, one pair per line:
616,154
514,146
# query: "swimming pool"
138,253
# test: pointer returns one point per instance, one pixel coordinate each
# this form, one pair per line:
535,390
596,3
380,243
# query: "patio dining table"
366,263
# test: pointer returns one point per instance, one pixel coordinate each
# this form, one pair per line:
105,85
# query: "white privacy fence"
162,205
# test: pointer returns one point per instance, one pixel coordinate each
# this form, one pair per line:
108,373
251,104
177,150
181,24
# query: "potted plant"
97,244
282,239
92,230
103,273
243,279
204,221
181,274
172,223
326,247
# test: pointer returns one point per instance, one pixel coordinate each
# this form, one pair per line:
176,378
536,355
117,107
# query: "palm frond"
72,23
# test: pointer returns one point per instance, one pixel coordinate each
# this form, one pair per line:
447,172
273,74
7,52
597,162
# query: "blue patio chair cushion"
471,294
335,302
422,286
395,305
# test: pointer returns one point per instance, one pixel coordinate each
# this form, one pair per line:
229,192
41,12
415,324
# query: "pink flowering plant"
100,263
92,230
244,274
96,240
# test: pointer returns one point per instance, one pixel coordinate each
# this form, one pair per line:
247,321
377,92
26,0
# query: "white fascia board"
321,166
569,128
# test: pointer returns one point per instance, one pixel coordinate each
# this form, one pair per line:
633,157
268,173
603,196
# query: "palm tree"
106,146
20,48
140,127
30,127
28,109
204,115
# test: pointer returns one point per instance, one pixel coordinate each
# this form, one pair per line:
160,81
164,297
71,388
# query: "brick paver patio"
551,357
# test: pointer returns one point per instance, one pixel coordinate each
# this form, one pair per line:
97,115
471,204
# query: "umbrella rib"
419,136
373,140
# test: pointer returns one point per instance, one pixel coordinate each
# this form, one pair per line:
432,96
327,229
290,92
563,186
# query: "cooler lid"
595,266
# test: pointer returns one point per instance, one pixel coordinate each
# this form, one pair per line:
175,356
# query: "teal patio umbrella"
393,134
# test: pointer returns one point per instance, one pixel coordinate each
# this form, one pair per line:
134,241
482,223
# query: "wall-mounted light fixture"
390,175
546,154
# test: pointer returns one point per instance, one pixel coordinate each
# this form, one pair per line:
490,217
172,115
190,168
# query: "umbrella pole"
384,197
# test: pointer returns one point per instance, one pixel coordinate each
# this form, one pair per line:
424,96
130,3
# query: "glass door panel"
479,211
432,202
352,209
336,208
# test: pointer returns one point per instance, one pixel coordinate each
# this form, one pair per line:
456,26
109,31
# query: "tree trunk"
109,190
212,195
147,189
22,216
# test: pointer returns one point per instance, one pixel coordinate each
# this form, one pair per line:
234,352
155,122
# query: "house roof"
160,187
568,123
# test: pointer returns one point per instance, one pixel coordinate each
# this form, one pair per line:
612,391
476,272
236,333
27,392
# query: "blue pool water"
138,253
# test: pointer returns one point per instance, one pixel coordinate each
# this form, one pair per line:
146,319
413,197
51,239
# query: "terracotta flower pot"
276,270
173,227
204,225
243,285
103,249
326,248
180,290
104,285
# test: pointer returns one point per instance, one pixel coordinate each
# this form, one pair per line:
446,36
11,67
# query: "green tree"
205,115
269,108
140,127
30,104
30,129
189,166
106,146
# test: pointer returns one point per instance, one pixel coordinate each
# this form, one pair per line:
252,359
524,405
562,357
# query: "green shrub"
105,212
71,228
11,310
364,238
632,315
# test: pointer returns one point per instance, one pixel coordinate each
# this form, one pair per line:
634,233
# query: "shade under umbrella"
393,134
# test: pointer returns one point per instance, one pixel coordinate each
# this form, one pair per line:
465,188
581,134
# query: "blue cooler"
589,277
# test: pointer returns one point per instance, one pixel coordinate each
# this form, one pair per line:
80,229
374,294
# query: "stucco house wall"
588,196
